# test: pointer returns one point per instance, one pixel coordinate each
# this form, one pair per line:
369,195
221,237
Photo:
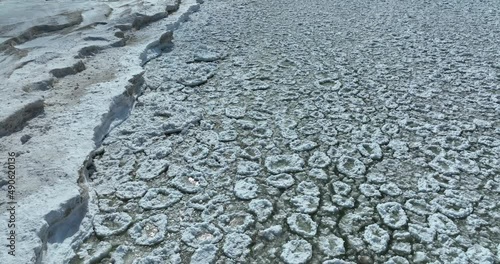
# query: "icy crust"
256,151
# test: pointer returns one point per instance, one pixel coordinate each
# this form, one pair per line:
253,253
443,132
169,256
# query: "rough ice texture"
220,119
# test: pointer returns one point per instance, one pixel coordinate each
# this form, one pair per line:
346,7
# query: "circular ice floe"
489,141
211,211
390,189
453,255
308,188
262,132
478,254
305,203
419,206
246,189
121,253
204,254
106,225
228,135
341,188
235,112
310,129
397,260
195,153
284,163
151,169
289,133
376,237
235,222
428,185
130,190
157,198
302,224
390,128
251,153
328,140
262,208
236,245
189,182
271,233
148,260
444,166
392,214
375,177
149,231
319,160
201,234
296,251
453,207
329,84
331,245
433,150
455,143
442,224
281,181
370,150
303,145
318,174
422,234
109,205
248,168
342,201
369,190
351,167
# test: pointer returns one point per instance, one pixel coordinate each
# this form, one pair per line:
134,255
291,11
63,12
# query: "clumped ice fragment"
392,214
235,222
271,233
191,182
376,237
106,225
149,231
318,174
151,169
248,168
442,224
246,189
302,224
262,208
390,189
370,150
319,160
351,167
131,190
158,198
281,181
201,234
205,254
195,153
296,251
303,145
331,245
308,188
305,203
236,245
284,163
341,188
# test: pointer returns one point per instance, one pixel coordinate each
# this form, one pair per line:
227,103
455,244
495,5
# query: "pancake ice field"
237,131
